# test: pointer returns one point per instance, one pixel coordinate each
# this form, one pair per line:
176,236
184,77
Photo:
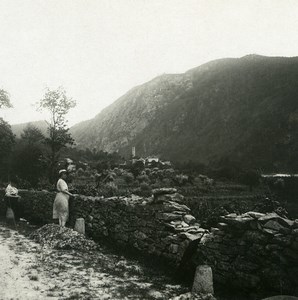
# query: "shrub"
145,190
143,178
128,177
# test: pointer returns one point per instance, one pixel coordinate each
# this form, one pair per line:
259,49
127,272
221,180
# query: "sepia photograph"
149,149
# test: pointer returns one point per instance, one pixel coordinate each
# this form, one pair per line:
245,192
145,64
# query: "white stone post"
80,225
203,281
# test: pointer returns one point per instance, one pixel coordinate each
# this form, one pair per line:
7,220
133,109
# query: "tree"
32,135
4,99
28,160
137,167
58,105
6,143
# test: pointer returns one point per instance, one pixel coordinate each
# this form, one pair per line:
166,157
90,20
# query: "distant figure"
12,198
61,206
11,189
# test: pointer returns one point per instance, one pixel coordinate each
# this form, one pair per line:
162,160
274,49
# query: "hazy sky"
99,49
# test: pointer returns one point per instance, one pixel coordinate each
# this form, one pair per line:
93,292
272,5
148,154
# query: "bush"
143,178
145,190
128,177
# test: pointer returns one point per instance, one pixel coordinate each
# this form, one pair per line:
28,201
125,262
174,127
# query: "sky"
99,49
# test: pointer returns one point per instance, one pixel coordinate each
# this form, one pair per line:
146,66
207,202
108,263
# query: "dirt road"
30,271
15,265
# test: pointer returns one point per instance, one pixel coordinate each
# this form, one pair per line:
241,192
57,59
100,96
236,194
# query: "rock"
281,297
222,225
191,237
169,197
163,191
269,231
193,296
255,236
173,248
169,216
183,224
269,217
255,215
203,281
232,215
189,219
140,235
155,294
290,253
273,247
238,221
273,225
286,222
174,206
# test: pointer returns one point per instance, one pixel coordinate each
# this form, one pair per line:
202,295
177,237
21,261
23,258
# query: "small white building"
151,159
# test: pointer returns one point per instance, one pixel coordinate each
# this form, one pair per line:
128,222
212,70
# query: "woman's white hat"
62,171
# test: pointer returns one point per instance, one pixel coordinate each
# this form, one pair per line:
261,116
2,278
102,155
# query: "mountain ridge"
241,111
215,112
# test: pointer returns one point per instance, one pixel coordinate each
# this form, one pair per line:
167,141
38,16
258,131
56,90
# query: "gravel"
65,238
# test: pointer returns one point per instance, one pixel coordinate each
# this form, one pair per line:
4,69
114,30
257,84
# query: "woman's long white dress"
61,207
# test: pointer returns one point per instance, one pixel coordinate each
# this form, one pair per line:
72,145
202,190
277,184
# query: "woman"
61,207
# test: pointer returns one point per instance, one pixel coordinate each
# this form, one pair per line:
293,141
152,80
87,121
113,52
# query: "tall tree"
58,105
32,135
4,99
6,137
28,160
6,143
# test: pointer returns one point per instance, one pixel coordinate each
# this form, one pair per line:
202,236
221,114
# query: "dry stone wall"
161,225
253,252
249,252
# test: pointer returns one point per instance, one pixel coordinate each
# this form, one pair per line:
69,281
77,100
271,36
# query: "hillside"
242,110
17,129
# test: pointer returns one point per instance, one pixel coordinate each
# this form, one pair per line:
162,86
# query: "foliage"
58,105
32,135
145,190
251,178
137,168
4,99
28,160
143,178
128,177
7,141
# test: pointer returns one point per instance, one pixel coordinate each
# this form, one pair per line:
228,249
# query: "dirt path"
15,274
30,271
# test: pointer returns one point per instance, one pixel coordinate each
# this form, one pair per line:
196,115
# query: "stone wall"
253,252
160,225
249,252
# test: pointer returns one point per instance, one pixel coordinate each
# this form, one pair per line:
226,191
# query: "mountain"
242,110
17,129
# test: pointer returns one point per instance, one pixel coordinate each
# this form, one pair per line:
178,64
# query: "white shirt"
62,185
11,191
